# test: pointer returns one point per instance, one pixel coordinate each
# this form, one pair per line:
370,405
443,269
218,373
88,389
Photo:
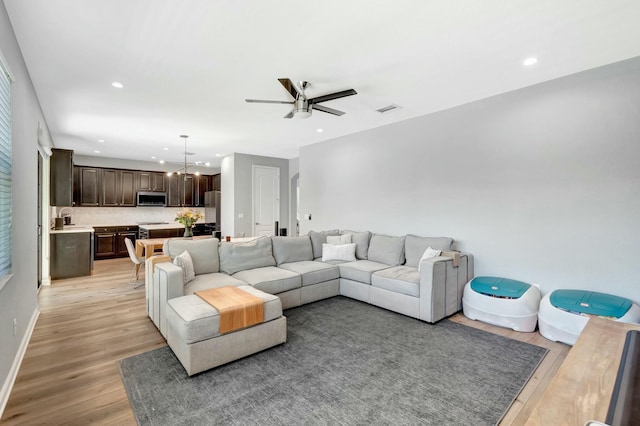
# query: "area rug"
345,363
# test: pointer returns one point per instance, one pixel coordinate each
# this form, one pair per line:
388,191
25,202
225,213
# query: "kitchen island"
71,252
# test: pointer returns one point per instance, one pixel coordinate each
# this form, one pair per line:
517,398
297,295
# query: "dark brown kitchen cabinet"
124,232
86,188
150,181
201,185
70,255
106,243
109,240
179,190
118,188
166,233
215,182
61,177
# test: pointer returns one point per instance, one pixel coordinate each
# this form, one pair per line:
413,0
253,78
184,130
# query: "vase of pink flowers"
188,218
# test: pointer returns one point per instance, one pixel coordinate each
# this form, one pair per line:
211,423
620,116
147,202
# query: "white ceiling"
187,66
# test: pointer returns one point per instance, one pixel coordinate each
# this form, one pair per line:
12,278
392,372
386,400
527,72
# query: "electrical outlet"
15,326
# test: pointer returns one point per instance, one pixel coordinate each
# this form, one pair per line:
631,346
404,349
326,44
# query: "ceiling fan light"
302,114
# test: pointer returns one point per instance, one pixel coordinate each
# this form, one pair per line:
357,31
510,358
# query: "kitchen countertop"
72,229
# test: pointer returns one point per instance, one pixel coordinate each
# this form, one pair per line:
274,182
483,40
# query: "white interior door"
266,199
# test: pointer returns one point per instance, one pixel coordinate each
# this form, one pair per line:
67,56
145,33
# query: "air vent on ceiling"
387,108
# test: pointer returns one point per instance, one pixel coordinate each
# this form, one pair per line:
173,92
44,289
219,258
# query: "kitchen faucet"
63,209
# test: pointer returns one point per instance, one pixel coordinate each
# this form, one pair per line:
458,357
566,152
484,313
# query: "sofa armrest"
168,284
149,267
442,285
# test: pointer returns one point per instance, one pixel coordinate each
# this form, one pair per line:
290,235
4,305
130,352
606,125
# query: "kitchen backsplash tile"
111,216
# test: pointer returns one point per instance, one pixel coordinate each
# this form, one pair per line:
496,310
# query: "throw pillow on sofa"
319,238
428,254
344,252
184,261
291,249
239,256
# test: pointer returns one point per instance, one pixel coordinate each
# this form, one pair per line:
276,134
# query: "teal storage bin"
499,287
590,302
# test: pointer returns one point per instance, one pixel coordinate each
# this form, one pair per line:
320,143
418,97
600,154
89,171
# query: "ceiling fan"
302,106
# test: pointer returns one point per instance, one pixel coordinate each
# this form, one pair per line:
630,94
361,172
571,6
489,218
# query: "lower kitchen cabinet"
70,255
109,240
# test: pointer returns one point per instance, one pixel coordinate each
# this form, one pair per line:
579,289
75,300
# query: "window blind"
5,172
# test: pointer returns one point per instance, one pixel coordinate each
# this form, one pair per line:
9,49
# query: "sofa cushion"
214,280
203,251
270,279
338,239
386,249
195,320
313,272
291,249
399,279
415,246
361,239
238,256
319,238
360,270
346,252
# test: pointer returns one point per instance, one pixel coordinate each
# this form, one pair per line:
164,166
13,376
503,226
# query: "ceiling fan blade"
323,108
331,96
290,115
260,101
291,88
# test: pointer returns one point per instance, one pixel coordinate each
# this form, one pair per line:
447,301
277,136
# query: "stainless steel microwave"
151,199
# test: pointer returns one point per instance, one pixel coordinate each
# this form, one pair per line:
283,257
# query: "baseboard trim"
13,373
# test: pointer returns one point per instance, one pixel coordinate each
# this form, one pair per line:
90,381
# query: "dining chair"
137,262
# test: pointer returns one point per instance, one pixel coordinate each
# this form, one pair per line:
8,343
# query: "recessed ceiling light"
319,130
100,140
97,152
117,85
530,61
153,157
218,155
207,164
161,161
166,149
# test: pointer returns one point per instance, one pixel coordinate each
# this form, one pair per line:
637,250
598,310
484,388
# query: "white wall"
18,298
239,168
541,184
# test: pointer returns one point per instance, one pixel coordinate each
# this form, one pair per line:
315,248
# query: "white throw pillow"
339,239
346,252
429,253
184,261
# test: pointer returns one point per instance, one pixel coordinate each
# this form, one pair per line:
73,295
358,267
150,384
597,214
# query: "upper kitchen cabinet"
180,190
151,181
86,188
201,184
118,188
215,182
61,177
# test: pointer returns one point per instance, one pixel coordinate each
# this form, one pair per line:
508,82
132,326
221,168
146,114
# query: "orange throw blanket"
238,309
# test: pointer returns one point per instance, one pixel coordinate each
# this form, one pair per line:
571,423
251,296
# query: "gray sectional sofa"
383,270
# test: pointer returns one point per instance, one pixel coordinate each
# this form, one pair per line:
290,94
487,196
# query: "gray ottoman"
193,332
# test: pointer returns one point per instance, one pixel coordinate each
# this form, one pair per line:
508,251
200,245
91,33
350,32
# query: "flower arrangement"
188,217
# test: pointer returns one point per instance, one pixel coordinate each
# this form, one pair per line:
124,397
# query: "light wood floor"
69,374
